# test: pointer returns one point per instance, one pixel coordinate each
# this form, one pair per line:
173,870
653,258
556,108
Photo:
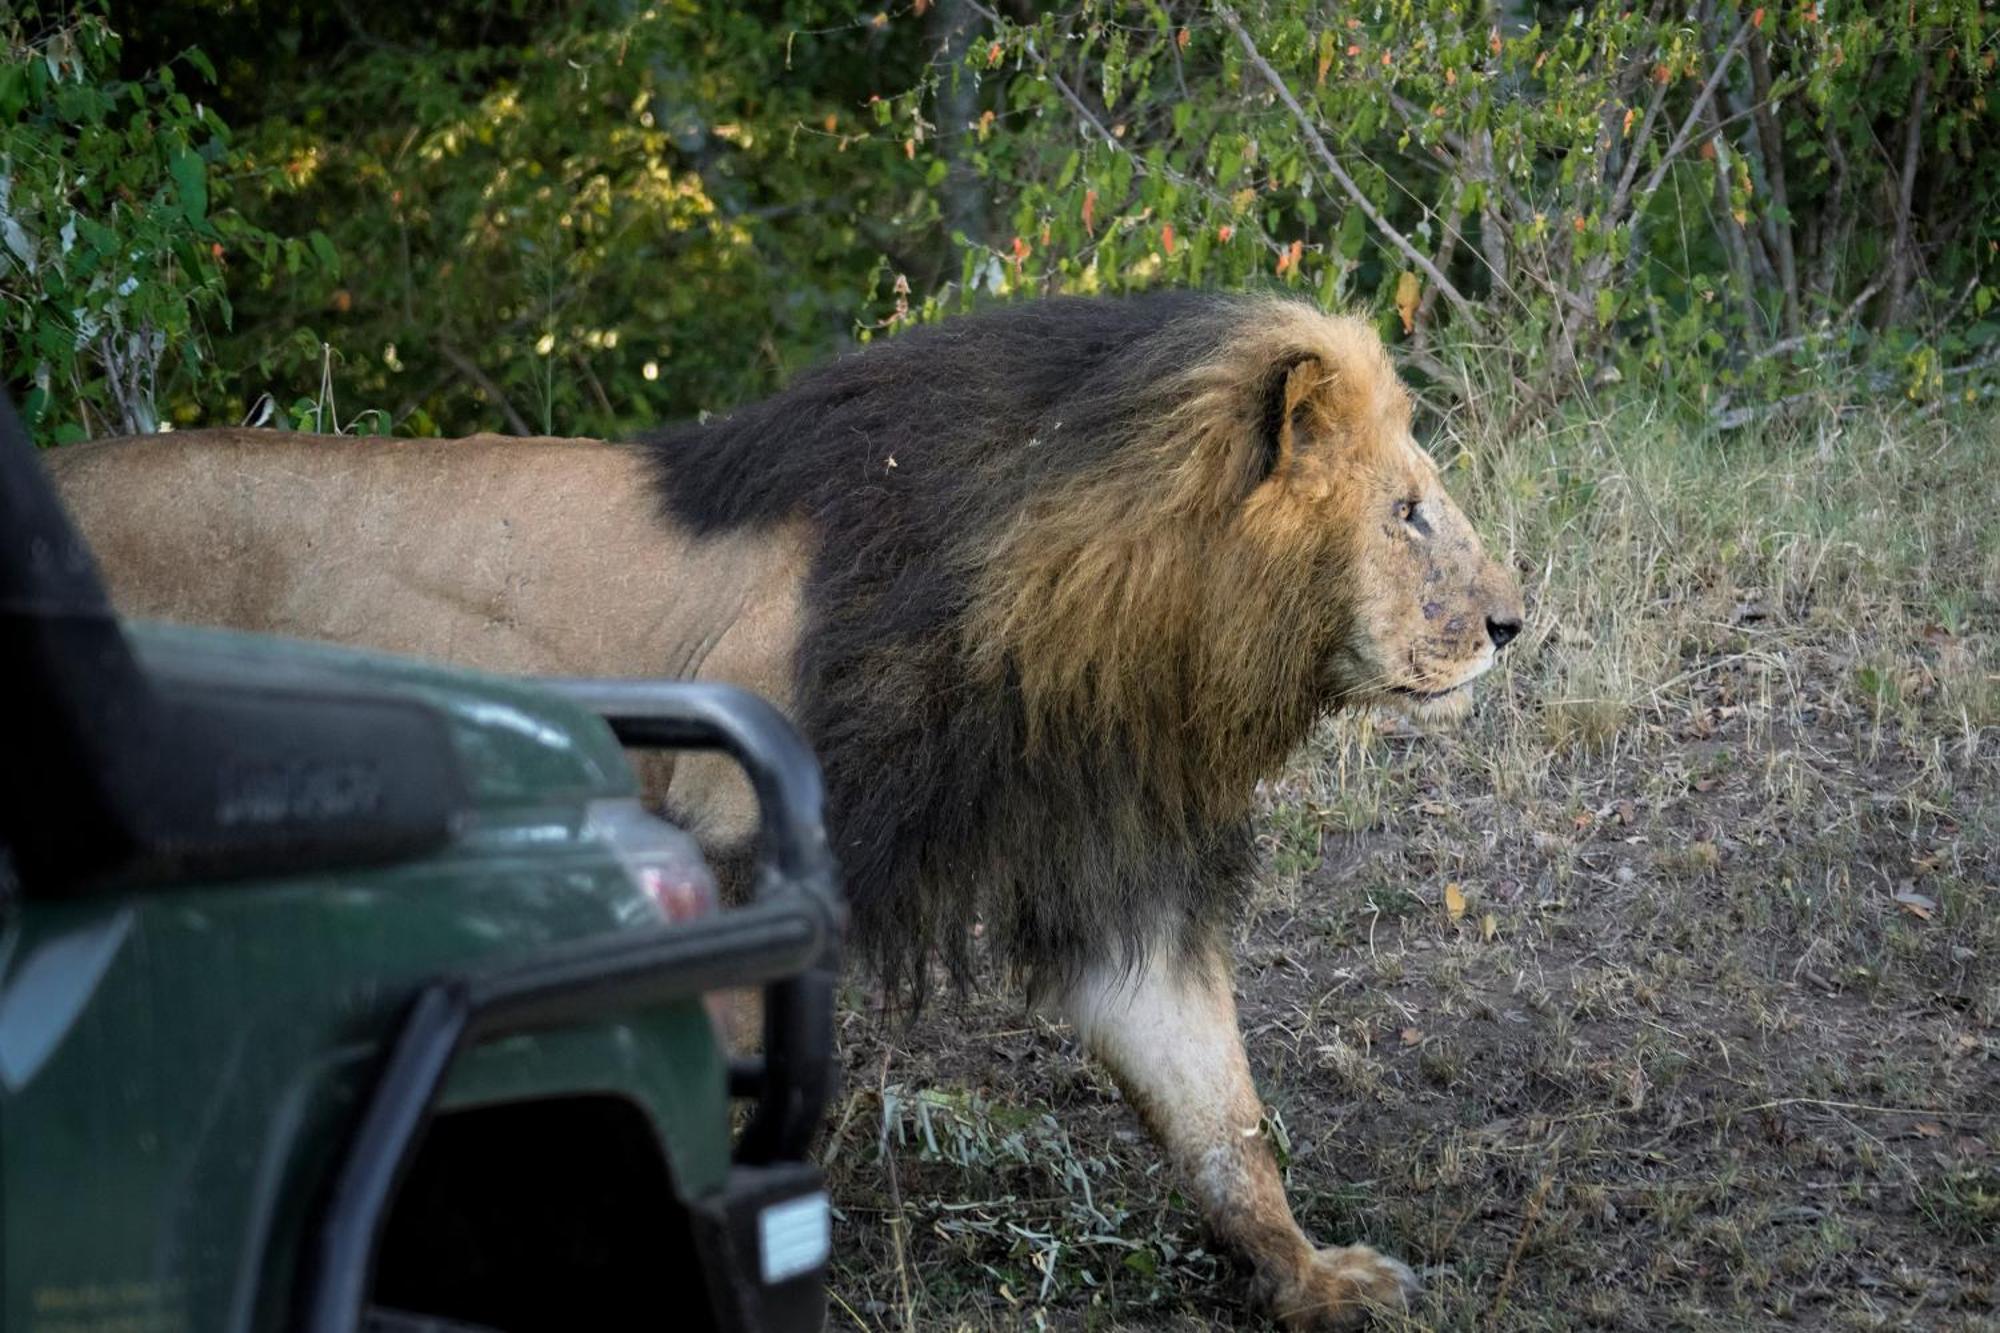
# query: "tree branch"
1872,384
1623,192
473,375
1832,235
1140,167
1694,115
1417,258
950,30
1447,247
1899,270
1771,147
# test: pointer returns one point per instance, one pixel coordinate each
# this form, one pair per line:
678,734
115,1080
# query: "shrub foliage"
1711,195
590,215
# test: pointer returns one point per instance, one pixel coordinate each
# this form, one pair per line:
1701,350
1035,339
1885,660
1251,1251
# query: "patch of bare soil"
1697,1028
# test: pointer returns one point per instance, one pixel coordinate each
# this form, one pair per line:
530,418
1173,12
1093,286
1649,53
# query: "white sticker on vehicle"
794,1237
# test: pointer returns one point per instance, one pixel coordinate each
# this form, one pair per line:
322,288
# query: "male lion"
1049,589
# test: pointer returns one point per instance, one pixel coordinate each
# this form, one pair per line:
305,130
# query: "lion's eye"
1406,511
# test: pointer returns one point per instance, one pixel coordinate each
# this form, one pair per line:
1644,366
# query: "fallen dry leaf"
1454,900
1488,927
1411,1036
1408,289
1916,904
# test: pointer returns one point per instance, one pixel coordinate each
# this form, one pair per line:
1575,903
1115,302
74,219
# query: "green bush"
576,217
592,215
1722,201
117,251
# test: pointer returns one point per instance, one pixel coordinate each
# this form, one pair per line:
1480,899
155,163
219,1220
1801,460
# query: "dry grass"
1716,1040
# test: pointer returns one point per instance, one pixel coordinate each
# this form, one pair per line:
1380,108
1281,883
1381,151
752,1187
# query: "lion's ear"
1287,390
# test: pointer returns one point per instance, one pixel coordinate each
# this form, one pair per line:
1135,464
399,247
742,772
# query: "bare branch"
1492,231
1089,118
1462,159
1875,383
1417,258
950,31
1631,172
1899,254
1446,248
1798,341
1734,243
1771,148
1831,240
476,377
1694,115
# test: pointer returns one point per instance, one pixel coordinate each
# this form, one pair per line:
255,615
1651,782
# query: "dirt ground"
1665,993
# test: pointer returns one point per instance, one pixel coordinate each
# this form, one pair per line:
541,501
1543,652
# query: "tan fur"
533,556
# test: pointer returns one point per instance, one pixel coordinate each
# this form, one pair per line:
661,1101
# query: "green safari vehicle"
339,992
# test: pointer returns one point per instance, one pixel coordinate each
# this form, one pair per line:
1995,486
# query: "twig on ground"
897,1220
1528,1221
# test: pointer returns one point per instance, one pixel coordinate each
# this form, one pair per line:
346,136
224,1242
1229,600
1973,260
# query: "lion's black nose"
1502,632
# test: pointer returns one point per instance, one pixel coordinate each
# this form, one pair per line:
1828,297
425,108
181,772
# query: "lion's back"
967,415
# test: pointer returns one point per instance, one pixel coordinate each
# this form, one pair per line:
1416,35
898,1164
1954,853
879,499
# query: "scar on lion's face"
1431,610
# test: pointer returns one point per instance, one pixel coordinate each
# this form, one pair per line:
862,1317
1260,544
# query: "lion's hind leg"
1168,1033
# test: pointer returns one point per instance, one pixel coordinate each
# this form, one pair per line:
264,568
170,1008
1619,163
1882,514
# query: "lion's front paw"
1341,1288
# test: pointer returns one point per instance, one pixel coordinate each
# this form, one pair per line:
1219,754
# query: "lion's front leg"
1168,1033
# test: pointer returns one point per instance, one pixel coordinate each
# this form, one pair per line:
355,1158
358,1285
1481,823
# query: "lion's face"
1427,610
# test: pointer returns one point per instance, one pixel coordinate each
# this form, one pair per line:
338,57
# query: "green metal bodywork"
177,1067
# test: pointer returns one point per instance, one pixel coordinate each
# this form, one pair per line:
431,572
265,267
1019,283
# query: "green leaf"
13,91
1353,233
190,176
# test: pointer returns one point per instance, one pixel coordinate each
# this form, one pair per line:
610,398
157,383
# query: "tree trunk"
1902,259
1771,148
952,26
1734,242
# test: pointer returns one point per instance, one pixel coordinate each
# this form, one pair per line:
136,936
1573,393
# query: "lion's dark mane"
908,458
